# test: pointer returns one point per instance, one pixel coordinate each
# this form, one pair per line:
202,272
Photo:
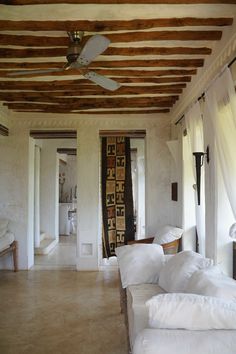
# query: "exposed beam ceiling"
155,51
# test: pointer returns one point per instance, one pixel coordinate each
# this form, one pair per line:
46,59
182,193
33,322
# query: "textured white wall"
157,181
14,176
14,186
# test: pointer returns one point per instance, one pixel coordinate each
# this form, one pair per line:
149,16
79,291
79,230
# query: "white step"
42,236
46,245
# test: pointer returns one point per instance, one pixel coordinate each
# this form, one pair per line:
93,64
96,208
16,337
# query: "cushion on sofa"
3,226
176,272
212,282
191,311
180,341
139,263
167,234
6,241
137,296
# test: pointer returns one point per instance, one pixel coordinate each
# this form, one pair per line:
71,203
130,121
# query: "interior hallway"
47,312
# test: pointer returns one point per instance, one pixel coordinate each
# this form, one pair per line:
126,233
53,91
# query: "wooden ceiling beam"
143,102
112,25
47,41
53,134
115,72
118,51
91,102
58,110
61,85
186,63
96,90
192,63
114,2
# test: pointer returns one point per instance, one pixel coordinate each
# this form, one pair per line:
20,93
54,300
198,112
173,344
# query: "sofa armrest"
143,240
168,248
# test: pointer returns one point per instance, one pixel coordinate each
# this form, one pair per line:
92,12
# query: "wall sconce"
199,158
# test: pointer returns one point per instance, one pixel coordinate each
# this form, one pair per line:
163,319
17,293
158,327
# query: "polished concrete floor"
63,256
61,312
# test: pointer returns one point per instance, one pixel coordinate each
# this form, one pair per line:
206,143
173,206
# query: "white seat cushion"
137,295
169,341
191,311
6,240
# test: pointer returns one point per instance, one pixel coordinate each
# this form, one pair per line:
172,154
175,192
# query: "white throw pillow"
3,226
167,234
176,272
212,282
190,311
139,263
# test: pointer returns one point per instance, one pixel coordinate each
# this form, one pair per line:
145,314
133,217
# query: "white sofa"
144,339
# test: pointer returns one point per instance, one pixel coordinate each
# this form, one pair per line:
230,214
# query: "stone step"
46,245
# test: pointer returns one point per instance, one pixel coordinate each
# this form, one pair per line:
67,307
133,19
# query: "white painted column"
49,189
37,196
88,198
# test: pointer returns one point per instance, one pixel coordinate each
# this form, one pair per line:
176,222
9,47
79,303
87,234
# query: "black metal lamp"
199,158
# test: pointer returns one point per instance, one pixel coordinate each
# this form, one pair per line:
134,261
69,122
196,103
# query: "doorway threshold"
54,267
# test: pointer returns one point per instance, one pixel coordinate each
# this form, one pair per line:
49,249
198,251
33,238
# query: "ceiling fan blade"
102,81
94,46
30,72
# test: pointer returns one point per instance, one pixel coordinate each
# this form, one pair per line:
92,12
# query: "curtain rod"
203,94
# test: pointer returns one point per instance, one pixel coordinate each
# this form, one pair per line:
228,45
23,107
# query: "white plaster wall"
157,180
4,116
88,198
89,233
157,176
176,176
48,189
14,182
30,240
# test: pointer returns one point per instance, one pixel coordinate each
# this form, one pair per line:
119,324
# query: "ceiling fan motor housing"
73,52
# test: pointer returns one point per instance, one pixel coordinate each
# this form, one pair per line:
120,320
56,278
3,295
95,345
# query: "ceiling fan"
79,58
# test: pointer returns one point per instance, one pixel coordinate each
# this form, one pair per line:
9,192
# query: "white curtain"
221,107
194,125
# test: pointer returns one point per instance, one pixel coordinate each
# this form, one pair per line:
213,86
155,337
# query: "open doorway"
122,191
55,200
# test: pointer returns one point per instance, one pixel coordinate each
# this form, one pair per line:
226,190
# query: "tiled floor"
58,312
63,256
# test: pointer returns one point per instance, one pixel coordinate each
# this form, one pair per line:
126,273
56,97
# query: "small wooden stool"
12,248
